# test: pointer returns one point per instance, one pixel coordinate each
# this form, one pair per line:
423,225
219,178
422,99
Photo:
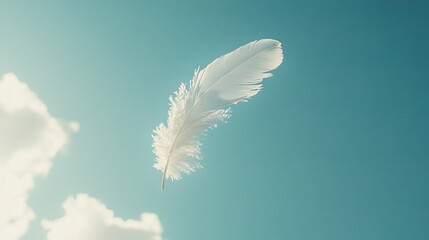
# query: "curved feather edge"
232,78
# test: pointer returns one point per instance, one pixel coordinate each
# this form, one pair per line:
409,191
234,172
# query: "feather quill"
228,80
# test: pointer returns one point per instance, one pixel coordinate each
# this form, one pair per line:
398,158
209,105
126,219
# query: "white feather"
230,79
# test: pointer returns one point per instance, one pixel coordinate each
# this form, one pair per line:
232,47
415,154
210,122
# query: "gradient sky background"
335,146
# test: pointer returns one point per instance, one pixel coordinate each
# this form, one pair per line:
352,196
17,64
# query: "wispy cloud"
86,218
29,139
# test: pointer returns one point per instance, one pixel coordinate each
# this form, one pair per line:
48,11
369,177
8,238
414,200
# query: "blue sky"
334,147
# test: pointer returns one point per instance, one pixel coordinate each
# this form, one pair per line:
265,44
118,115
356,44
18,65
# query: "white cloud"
87,218
29,139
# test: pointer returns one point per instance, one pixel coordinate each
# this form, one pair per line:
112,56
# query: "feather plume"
228,80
